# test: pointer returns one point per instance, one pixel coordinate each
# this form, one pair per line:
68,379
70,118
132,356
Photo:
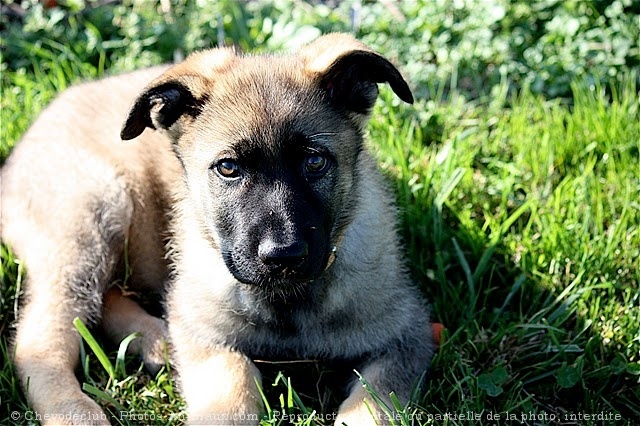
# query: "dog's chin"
278,282
281,282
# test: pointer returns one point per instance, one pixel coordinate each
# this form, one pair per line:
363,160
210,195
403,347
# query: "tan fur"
221,387
72,195
76,200
121,317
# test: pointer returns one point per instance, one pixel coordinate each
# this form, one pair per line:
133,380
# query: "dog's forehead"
266,84
264,95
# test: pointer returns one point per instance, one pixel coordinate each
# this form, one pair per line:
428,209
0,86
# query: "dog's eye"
228,169
315,164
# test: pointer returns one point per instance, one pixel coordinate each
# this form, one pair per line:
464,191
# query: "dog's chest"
298,329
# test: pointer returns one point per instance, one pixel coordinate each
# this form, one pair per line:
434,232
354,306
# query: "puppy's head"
270,148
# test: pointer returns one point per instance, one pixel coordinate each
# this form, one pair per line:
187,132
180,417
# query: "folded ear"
179,93
349,72
159,107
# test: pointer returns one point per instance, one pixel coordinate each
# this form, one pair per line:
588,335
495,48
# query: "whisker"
322,134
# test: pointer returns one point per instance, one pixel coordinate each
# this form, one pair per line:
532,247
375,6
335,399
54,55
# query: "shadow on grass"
514,347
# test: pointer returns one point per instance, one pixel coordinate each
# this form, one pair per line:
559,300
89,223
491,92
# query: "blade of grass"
514,289
467,272
95,347
90,389
122,352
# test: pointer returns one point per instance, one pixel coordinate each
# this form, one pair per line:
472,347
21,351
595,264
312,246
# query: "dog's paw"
222,416
154,346
359,413
357,419
237,408
77,411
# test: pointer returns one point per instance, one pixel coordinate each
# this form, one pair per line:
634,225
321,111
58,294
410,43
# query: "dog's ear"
159,107
178,94
348,71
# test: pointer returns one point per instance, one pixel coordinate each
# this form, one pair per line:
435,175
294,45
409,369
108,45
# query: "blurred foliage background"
472,46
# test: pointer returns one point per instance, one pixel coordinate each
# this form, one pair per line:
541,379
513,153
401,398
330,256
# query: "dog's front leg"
46,353
396,371
122,316
220,388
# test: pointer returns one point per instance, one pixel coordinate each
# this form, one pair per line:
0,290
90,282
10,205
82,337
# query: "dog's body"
281,231
71,199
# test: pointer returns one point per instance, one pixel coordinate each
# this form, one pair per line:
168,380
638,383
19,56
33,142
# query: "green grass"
521,217
522,220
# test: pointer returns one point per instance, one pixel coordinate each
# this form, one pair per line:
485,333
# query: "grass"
521,217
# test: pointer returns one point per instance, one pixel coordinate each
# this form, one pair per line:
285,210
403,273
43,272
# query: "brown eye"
228,169
315,164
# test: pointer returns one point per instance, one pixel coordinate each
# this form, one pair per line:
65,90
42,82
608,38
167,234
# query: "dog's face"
271,170
270,147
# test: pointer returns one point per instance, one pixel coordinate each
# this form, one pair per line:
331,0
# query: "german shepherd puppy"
245,186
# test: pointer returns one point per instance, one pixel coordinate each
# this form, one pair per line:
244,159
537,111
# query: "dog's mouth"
278,279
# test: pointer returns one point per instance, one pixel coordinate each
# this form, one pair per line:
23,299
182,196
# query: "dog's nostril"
283,255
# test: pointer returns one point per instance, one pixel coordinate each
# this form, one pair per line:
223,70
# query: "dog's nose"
280,256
